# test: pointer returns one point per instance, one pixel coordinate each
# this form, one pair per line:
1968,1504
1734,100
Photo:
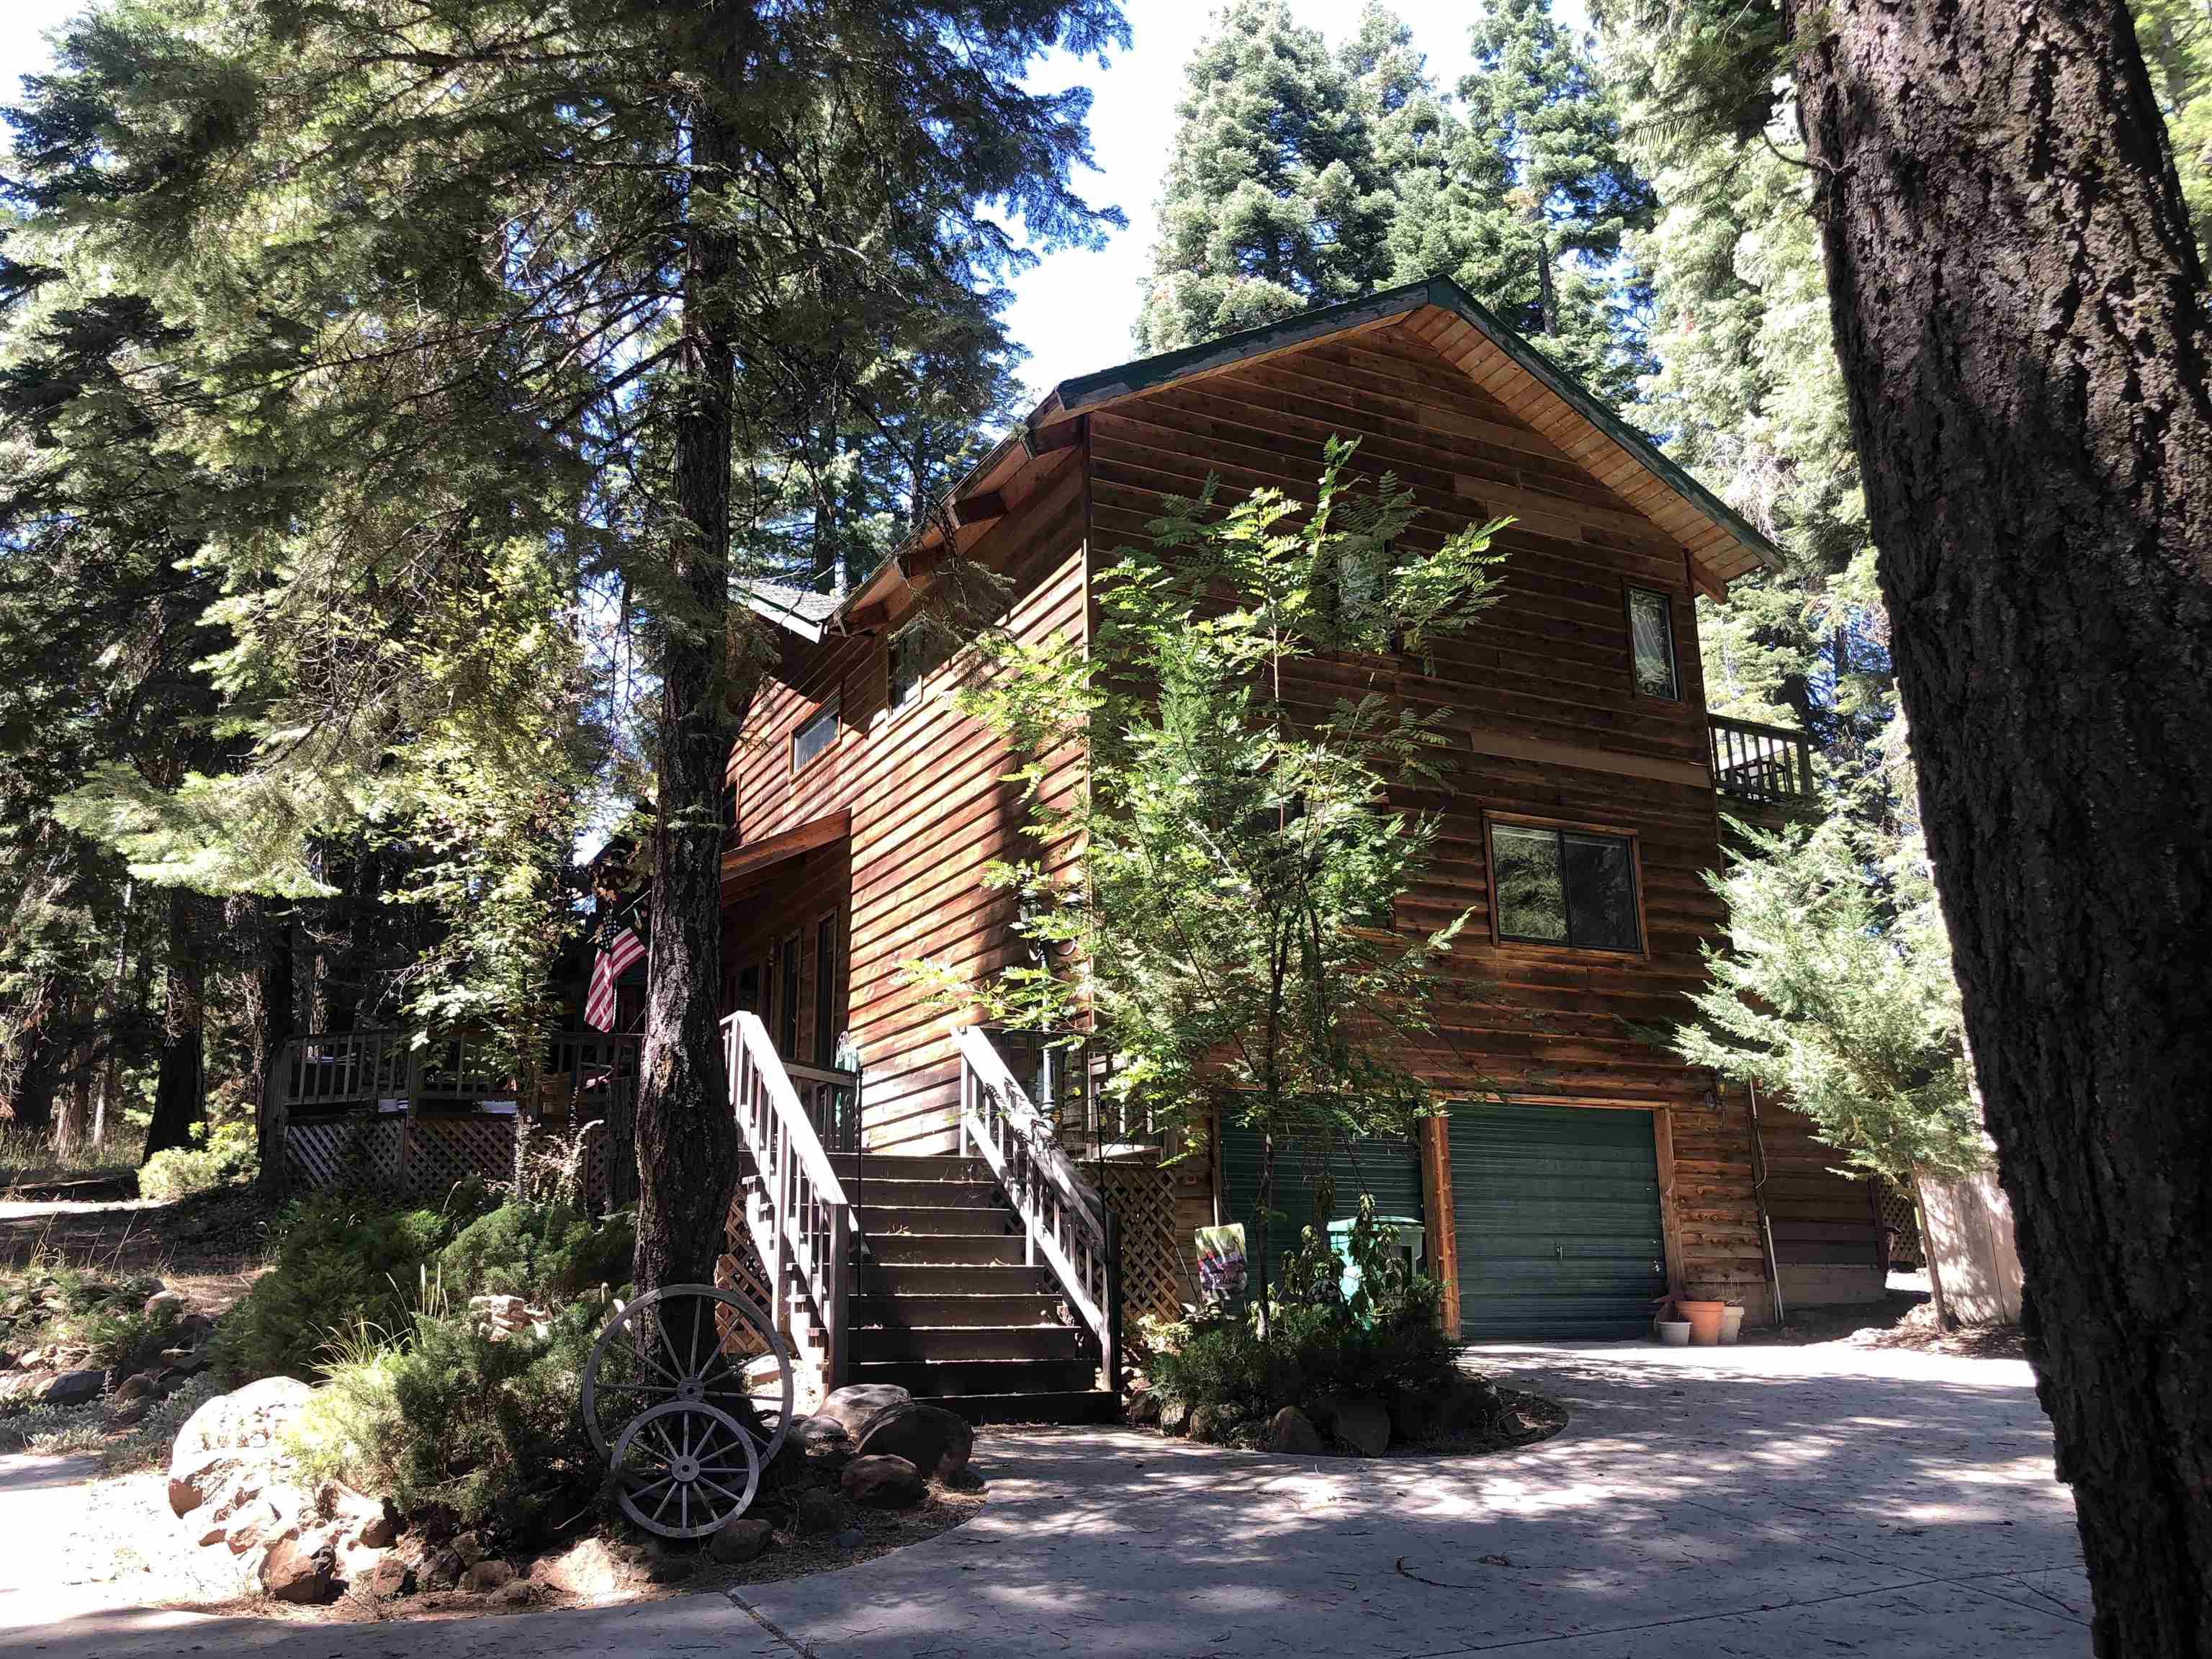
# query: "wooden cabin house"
1586,1172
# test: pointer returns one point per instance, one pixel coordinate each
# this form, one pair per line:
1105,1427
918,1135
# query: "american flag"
623,949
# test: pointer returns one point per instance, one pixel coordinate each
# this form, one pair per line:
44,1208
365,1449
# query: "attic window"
812,737
912,656
1651,643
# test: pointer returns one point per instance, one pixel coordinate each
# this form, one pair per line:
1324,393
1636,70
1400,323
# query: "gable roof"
1453,322
1722,546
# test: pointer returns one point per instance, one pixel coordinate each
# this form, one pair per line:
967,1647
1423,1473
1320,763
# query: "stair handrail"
1063,1218
797,1212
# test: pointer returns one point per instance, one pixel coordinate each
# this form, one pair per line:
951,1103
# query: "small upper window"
1651,638
1563,887
812,737
913,655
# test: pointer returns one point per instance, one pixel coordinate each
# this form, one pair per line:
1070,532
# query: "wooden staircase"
945,1304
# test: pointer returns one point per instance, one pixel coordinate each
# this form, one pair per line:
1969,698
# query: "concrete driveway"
1785,1502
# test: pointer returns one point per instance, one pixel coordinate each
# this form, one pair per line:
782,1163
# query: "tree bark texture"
2019,312
279,996
687,1137
180,1082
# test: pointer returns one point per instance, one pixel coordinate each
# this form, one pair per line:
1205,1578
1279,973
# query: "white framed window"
811,737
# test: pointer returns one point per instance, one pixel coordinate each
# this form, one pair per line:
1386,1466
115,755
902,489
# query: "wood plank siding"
929,809
1539,699
1547,724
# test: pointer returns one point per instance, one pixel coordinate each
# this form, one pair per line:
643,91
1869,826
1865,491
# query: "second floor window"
911,660
1651,643
1573,887
813,736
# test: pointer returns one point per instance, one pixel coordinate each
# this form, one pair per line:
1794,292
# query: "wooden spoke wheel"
698,1344
682,1468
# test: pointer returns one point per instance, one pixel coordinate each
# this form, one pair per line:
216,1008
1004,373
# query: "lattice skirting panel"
358,1151
1143,1195
1898,1212
425,1155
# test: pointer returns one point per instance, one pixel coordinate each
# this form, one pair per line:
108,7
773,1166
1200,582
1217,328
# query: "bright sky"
1074,311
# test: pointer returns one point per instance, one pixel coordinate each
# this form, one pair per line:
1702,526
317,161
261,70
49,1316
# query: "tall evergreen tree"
488,276
1273,200
2019,308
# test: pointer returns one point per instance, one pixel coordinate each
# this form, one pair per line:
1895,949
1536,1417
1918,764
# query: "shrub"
451,1417
1382,1340
342,1262
122,1339
542,1252
219,1158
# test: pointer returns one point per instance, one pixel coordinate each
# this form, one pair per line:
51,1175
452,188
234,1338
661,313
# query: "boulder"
488,1575
933,1439
588,1571
520,1594
883,1482
300,1566
1143,1408
1362,1424
172,1301
851,1538
852,1408
817,1511
198,1481
740,1541
1469,1405
75,1388
389,1579
184,1362
137,1386
1291,1432
1209,1423
816,1433
251,1416
469,1547
379,1531
1174,1416
442,1570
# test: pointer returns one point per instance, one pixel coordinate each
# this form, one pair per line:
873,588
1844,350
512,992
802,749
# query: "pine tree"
1546,194
1273,199
2177,44
461,281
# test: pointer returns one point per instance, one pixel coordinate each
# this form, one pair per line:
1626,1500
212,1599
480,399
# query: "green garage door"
1387,1169
1556,1211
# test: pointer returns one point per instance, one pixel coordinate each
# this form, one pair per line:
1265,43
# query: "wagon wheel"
683,1469
686,1343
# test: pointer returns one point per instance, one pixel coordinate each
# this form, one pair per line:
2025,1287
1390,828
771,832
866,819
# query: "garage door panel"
1556,1214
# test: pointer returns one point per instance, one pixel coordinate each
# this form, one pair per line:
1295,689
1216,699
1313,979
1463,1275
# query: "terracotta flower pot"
1705,1319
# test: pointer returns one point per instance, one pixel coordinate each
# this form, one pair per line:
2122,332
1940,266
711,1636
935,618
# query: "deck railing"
1771,764
793,1205
1063,1219
832,1100
355,1069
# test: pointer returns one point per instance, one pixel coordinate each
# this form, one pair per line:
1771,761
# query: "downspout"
1758,1178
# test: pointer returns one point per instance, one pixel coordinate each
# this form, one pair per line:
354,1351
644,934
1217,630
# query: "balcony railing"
1769,764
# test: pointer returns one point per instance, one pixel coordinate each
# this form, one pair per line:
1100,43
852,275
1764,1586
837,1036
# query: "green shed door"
1556,1211
1387,1168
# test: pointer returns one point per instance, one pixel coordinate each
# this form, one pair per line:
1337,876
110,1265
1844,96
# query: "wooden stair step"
957,1344
893,1167
880,1278
943,1308
945,1250
879,1194
1065,1406
927,1379
881,1220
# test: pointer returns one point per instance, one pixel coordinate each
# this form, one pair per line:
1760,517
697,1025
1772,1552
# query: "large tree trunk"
2019,312
180,1084
279,995
687,1138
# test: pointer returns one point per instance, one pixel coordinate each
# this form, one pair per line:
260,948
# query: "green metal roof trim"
1147,373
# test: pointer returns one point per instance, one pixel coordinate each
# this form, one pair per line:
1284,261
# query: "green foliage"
344,1260
222,1156
488,1428
2176,38
1234,931
1384,1339
538,1252
1273,199
121,1339
1835,990
1299,177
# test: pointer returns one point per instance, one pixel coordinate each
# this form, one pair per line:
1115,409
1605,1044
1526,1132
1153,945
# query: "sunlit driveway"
1767,1502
